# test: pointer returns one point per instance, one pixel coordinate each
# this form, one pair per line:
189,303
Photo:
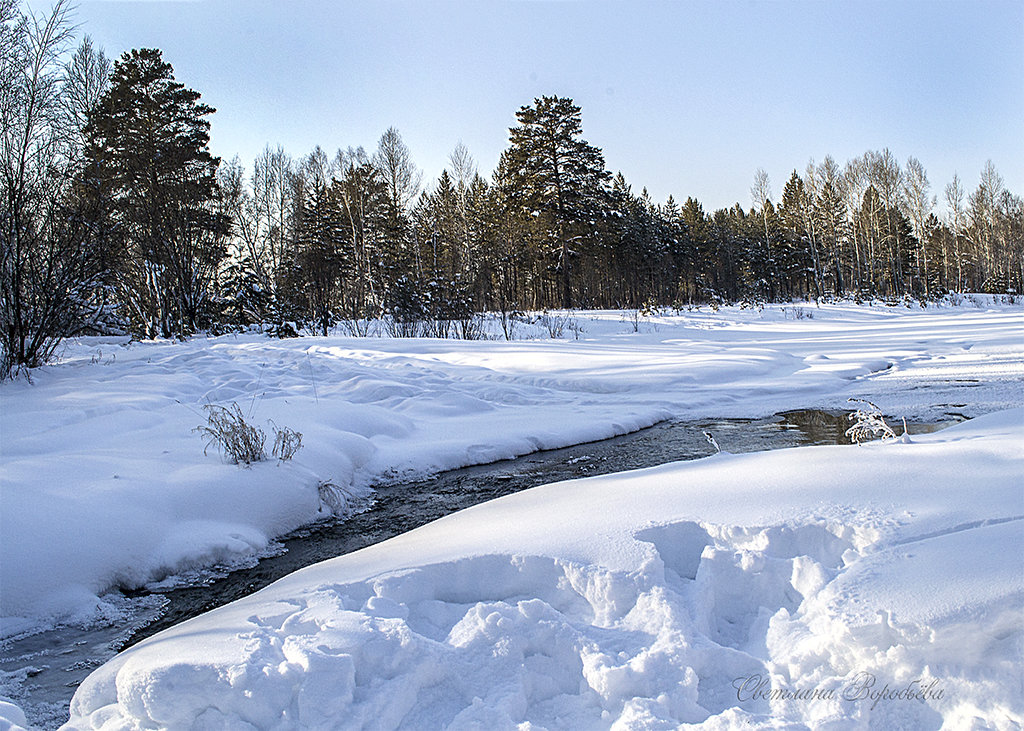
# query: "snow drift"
105,484
875,586
638,601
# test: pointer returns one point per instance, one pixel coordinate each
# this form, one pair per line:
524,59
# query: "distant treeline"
116,217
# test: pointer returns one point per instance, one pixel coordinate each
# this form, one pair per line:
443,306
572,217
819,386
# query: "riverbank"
826,586
106,484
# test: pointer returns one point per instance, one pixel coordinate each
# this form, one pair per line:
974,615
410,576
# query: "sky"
685,98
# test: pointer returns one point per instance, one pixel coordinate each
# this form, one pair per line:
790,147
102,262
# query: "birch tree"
919,205
48,268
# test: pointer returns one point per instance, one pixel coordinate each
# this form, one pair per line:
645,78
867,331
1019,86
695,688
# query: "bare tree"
760,198
87,78
245,274
994,230
463,166
46,265
854,186
955,203
761,190
981,209
401,176
919,204
464,171
885,175
272,198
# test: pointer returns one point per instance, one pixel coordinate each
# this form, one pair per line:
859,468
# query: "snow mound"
101,447
830,587
12,718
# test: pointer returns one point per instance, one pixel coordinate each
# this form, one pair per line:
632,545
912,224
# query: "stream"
40,672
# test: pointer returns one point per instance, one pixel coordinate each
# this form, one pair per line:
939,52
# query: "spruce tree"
320,257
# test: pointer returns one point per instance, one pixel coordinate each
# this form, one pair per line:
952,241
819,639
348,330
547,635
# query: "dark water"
62,658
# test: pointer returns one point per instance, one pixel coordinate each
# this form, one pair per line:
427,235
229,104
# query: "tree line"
116,217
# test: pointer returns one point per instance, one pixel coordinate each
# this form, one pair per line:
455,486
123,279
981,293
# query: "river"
41,672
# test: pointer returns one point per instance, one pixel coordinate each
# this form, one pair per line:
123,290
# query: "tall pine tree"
147,144
559,178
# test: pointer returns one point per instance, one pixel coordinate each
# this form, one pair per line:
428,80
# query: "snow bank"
875,587
103,482
12,718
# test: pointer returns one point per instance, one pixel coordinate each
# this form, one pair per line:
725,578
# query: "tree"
364,200
885,175
400,174
86,80
48,267
764,271
464,173
246,287
854,186
147,144
830,215
320,259
557,177
919,206
799,260
954,194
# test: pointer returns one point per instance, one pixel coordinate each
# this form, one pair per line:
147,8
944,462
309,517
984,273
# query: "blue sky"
686,98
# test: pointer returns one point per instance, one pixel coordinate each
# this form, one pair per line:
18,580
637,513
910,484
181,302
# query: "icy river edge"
431,404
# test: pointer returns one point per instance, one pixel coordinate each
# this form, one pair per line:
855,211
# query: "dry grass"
227,429
286,442
337,499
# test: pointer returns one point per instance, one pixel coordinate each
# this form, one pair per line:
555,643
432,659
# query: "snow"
626,601
633,600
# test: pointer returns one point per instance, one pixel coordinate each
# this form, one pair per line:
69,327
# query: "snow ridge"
877,603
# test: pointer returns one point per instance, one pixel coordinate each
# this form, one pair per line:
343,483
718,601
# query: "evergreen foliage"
560,180
155,182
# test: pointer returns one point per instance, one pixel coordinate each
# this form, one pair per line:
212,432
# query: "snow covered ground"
637,600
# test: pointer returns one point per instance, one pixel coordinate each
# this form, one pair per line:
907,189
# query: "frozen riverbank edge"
102,443
697,592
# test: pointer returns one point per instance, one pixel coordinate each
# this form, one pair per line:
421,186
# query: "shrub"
236,439
556,324
286,442
472,328
868,423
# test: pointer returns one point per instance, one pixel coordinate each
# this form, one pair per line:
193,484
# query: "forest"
116,218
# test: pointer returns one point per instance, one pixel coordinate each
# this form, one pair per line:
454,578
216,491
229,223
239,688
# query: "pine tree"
830,217
147,144
801,262
364,202
558,178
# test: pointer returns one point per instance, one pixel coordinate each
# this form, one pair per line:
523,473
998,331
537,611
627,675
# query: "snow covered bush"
336,498
236,439
868,423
